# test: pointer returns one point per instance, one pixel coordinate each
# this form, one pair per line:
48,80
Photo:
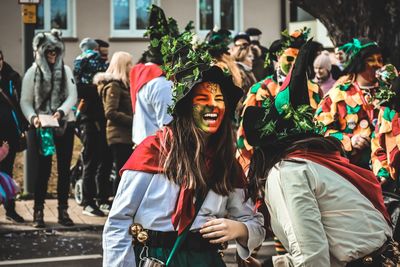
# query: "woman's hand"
36,121
359,142
222,230
59,114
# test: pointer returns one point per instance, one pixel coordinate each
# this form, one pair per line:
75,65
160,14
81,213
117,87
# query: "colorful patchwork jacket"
345,111
258,93
386,144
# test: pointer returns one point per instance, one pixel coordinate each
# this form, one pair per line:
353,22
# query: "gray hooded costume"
47,89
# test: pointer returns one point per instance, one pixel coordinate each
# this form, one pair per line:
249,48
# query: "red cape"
140,75
146,158
363,179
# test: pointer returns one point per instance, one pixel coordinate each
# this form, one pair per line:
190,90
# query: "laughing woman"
184,183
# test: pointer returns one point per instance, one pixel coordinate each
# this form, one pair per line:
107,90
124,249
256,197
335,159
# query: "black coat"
10,82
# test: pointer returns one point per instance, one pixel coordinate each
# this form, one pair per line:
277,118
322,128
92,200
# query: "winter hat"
254,34
88,44
240,36
323,61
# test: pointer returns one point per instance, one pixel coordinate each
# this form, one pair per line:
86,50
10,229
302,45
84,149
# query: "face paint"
287,59
372,63
208,107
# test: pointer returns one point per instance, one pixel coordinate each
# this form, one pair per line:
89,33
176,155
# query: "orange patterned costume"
258,93
346,111
386,144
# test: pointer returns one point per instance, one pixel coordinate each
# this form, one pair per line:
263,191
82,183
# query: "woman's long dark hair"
189,149
266,157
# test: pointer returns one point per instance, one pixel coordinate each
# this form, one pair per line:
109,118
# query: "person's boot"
11,214
38,221
63,217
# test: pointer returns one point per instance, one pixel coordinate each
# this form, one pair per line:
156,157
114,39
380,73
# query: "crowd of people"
215,141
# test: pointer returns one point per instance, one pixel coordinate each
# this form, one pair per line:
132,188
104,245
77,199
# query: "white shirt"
150,112
320,217
149,199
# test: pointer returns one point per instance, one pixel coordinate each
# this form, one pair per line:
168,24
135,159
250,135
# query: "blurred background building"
123,22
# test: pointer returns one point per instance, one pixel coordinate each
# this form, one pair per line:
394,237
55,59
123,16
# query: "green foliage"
289,39
183,60
384,94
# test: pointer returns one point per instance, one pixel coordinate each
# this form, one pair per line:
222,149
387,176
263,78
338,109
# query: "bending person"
325,210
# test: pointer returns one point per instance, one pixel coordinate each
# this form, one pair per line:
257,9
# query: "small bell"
368,260
135,229
142,236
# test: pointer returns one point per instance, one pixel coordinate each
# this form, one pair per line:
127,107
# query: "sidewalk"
25,209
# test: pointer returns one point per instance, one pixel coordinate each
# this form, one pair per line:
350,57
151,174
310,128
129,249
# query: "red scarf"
139,76
146,158
363,179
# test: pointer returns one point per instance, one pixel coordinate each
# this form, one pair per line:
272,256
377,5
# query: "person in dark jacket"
11,123
113,88
92,123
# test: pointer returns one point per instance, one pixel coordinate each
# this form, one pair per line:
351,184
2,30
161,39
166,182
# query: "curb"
77,227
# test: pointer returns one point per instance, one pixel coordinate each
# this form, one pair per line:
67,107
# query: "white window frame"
132,32
71,18
237,19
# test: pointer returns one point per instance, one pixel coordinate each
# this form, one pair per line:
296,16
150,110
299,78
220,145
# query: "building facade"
122,22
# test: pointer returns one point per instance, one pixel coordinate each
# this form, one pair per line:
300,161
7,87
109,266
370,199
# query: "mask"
287,59
208,107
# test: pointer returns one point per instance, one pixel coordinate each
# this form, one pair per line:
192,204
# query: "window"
57,14
222,13
129,18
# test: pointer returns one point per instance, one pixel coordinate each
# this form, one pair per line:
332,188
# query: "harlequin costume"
385,143
348,108
311,190
165,208
269,87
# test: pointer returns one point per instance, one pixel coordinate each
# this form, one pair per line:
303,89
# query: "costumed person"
113,87
325,210
260,52
243,55
322,69
270,86
189,167
12,126
8,187
151,92
91,125
347,111
385,142
48,88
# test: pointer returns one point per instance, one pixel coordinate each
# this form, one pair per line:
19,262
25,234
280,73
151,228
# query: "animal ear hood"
48,40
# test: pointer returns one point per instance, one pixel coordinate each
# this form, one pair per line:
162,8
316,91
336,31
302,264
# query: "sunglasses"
51,52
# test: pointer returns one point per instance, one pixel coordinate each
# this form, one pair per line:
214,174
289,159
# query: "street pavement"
25,209
56,245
